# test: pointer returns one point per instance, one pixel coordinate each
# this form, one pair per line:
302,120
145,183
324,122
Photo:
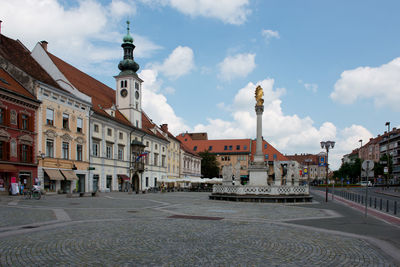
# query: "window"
155,181
244,147
225,147
26,153
95,149
137,124
79,124
265,146
65,124
120,152
109,181
50,117
136,85
96,128
163,149
49,148
121,135
155,146
2,116
79,152
65,150
195,148
230,147
163,160
147,143
238,147
147,181
275,157
24,122
209,148
266,156
4,150
155,159
109,151
109,132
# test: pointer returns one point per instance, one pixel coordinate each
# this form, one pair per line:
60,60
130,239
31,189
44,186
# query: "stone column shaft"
259,157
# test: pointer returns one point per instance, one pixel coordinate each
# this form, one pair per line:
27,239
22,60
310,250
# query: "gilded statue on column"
259,96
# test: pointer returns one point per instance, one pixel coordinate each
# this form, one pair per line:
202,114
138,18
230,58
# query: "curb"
388,218
388,194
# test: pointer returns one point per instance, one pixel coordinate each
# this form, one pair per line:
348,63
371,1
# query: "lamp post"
387,152
327,145
360,158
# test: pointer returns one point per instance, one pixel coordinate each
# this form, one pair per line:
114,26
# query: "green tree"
349,170
379,167
209,164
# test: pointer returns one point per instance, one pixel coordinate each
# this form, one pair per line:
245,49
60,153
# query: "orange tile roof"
227,146
16,53
7,82
269,150
148,125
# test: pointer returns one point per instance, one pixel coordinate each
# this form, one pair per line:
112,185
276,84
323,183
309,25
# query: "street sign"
370,173
368,165
91,168
386,170
383,162
305,171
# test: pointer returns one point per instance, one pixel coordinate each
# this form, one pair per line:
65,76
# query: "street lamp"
360,158
327,145
387,151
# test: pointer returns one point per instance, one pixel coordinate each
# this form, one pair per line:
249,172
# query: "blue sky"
329,69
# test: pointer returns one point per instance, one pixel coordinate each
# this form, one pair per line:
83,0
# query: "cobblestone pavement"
172,229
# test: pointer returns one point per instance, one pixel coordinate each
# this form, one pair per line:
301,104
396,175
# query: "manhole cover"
29,227
195,217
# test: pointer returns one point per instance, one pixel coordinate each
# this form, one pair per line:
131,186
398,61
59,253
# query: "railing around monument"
261,190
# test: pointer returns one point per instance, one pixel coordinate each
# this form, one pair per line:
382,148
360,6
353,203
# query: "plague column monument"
258,170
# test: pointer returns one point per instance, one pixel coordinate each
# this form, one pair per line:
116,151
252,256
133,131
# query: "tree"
349,170
209,164
379,167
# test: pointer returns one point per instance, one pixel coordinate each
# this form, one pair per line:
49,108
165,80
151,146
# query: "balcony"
138,167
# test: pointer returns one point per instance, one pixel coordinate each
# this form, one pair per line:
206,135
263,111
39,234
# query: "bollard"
395,208
380,204
362,199
375,203
387,205
370,201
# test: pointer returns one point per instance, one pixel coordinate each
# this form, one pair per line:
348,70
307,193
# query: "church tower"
129,85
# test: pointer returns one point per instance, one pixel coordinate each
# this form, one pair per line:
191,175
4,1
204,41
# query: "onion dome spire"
128,64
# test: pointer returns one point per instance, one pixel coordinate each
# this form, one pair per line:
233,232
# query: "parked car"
365,183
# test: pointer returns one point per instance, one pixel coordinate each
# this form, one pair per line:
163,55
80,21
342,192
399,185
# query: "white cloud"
239,65
269,34
381,84
120,8
312,87
83,33
180,62
228,11
155,104
288,133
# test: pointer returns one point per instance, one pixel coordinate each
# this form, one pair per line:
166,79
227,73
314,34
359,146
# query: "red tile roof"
228,146
7,82
148,126
269,150
16,53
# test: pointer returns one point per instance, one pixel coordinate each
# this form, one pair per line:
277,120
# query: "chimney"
164,127
44,45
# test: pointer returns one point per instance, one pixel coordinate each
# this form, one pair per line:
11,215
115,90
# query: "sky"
330,70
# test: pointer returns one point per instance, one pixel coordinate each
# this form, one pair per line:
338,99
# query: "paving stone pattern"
136,230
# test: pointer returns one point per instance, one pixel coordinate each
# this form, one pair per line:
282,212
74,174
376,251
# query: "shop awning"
69,175
54,174
7,168
124,177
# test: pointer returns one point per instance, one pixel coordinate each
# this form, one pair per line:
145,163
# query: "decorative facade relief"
80,140
4,135
66,137
13,147
50,133
13,117
25,140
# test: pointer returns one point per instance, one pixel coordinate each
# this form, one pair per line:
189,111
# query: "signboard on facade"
386,170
